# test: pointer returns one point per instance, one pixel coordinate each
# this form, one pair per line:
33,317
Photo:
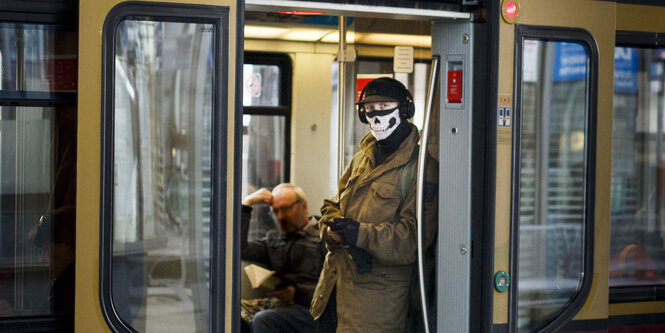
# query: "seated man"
294,251
632,265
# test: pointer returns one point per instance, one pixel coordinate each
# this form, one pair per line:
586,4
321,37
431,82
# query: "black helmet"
386,89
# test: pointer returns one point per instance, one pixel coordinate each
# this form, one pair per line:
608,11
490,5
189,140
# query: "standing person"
369,226
294,251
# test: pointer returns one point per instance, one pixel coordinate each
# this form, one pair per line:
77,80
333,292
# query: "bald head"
289,189
289,207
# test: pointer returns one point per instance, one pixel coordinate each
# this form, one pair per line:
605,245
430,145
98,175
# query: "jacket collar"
311,228
400,157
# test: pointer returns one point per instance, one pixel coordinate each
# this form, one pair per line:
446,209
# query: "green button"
501,281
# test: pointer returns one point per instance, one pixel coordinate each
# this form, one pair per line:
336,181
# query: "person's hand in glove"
361,258
347,229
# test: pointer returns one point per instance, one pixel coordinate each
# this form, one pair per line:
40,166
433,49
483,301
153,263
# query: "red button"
455,86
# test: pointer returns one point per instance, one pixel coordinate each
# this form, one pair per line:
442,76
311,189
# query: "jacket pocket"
384,204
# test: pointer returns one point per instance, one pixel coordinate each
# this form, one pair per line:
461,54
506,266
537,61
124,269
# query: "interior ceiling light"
254,31
300,12
332,36
308,35
395,39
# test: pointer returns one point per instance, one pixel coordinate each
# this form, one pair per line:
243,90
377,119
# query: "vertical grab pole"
420,181
341,86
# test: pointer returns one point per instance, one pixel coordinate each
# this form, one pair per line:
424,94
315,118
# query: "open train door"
553,105
158,128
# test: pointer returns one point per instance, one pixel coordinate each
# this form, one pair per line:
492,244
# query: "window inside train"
551,213
37,173
261,85
162,179
266,128
637,254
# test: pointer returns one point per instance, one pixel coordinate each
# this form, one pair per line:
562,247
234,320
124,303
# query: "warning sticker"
253,85
504,116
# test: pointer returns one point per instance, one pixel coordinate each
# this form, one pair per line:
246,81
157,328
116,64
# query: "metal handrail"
420,181
341,100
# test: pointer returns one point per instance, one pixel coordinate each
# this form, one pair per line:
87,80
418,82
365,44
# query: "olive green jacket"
382,200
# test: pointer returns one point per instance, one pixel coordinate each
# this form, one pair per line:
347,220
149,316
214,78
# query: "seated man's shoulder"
311,233
313,225
275,238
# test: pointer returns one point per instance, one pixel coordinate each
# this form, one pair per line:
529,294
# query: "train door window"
37,175
161,199
637,254
266,130
553,176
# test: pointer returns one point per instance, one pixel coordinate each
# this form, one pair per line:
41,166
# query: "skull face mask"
382,126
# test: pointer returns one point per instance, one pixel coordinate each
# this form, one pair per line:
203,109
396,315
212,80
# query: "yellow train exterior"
547,157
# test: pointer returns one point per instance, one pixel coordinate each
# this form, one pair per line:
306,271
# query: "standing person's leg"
295,318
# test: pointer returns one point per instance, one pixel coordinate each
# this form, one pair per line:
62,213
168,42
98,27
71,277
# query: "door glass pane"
552,184
637,255
37,150
162,175
263,164
37,58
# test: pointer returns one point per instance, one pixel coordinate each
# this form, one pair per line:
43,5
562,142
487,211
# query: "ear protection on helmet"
406,107
361,109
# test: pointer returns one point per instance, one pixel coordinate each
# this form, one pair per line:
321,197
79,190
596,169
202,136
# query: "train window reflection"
37,58
162,191
552,178
637,254
36,226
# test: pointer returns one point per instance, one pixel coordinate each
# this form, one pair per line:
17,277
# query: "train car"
131,131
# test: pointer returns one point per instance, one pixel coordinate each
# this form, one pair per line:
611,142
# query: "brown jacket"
384,204
296,257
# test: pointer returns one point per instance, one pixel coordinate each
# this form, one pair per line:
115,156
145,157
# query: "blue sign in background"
570,62
625,69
